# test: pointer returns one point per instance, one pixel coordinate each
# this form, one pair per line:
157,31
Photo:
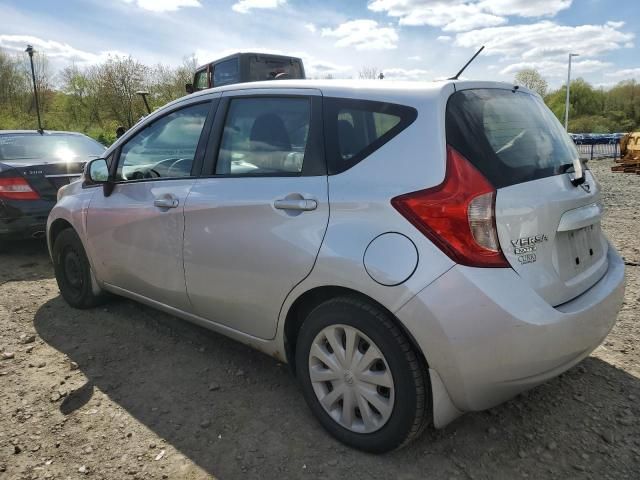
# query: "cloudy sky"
408,39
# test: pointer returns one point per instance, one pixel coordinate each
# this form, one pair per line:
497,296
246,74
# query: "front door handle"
166,201
302,204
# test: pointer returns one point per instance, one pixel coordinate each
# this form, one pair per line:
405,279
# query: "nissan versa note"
413,251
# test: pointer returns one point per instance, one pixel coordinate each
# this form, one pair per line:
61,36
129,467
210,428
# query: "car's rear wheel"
360,375
73,271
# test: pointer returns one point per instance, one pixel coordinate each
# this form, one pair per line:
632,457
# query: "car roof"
348,86
36,132
382,90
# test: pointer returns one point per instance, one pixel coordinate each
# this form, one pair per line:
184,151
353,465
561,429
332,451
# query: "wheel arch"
308,300
58,225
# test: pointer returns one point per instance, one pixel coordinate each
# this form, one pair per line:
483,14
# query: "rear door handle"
166,201
303,204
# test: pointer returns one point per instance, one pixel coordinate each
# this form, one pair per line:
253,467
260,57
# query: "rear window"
225,73
354,129
511,137
54,147
264,68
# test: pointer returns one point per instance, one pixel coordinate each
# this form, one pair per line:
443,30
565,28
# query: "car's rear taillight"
458,215
17,188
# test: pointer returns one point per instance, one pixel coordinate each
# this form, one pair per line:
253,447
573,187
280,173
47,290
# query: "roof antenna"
455,77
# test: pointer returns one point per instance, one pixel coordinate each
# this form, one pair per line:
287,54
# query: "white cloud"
545,39
556,68
311,27
444,38
316,68
55,50
415,58
244,6
406,74
363,35
462,15
164,5
453,15
625,73
613,24
525,8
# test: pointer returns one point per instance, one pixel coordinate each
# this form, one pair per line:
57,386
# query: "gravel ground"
127,392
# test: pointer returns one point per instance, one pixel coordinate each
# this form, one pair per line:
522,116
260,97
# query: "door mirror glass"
97,171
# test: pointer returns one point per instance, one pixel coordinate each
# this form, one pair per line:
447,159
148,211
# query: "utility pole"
31,51
566,106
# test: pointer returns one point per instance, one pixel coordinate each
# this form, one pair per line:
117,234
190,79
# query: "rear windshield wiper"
577,168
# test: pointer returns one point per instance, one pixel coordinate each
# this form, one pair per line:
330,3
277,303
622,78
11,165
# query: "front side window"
264,135
225,73
202,80
356,128
166,147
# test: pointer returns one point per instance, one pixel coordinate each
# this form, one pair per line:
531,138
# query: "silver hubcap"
351,378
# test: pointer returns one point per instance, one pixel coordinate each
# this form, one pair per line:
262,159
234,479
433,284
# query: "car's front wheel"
361,376
73,271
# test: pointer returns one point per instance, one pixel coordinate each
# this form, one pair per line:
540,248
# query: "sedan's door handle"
167,201
303,204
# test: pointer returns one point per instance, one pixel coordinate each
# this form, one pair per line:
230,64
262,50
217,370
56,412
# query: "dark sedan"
33,166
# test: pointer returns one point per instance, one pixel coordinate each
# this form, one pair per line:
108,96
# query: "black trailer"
245,67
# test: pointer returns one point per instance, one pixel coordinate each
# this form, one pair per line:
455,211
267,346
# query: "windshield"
264,68
51,147
511,137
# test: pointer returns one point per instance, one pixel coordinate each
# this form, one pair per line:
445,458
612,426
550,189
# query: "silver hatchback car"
413,251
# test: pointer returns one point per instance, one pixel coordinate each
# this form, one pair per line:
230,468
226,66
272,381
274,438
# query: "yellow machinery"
629,154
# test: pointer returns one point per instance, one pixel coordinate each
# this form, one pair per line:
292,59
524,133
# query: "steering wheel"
177,167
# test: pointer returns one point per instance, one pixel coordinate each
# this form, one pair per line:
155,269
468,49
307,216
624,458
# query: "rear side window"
510,137
264,136
354,129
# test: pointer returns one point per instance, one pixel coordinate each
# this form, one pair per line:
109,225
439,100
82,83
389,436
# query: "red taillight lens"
457,215
17,188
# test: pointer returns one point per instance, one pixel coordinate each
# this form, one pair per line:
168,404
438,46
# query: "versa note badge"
525,247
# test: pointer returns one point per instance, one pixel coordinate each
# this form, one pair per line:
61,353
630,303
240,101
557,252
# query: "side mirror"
189,87
97,171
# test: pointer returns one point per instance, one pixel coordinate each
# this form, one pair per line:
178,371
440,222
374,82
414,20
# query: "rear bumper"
24,218
489,336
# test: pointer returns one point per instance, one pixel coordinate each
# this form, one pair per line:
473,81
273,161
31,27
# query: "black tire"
412,405
73,272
